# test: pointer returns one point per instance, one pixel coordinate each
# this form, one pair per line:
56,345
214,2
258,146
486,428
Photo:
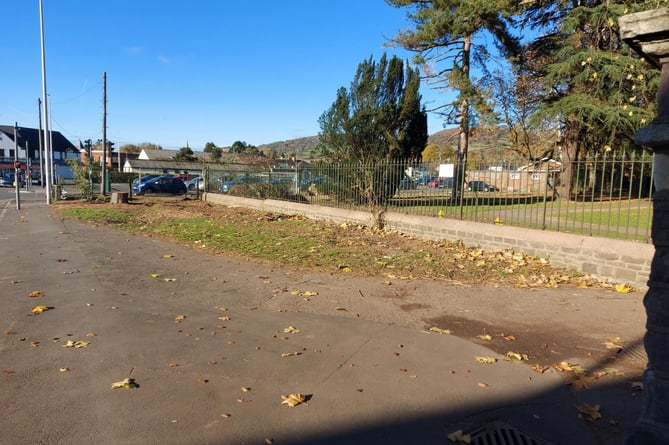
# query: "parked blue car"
161,184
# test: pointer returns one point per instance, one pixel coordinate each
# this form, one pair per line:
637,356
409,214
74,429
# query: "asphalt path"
213,344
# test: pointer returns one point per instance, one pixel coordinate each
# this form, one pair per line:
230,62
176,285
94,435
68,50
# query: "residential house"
28,145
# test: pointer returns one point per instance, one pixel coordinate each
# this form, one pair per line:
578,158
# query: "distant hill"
304,148
307,147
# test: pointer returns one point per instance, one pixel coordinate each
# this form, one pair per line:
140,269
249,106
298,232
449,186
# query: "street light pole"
17,167
47,139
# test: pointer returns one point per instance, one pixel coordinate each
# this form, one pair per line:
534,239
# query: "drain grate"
636,352
499,433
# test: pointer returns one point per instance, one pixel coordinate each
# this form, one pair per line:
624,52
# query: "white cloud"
163,59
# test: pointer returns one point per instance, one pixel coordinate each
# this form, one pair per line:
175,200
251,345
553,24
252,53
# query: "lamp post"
648,33
47,132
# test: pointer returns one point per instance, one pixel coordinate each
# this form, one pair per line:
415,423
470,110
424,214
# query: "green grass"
99,215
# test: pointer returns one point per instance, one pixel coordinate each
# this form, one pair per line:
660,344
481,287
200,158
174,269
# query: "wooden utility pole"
103,168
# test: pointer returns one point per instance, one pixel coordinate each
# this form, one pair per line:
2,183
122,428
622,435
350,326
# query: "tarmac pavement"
213,346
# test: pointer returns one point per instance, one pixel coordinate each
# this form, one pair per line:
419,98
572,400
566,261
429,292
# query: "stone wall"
615,260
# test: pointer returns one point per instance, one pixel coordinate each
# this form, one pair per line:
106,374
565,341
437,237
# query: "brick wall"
618,261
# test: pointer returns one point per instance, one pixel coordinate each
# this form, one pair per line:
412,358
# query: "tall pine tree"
445,38
598,90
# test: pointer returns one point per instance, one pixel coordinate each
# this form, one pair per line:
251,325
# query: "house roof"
31,137
170,155
135,165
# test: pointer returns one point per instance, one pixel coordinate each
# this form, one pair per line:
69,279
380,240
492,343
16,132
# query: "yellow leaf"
623,288
486,337
516,357
39,309
486,360
246,389
293,399
168,255
441,331
179,318
125,384
291,330
76,344
539,368
459,436
36,294
592,411
155,275
482,384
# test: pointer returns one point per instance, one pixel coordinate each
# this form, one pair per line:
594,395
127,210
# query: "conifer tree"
445,38
598,90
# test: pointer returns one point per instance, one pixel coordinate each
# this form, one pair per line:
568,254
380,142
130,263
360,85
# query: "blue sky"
190,72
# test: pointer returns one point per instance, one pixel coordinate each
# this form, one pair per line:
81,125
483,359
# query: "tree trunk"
569,157
463,136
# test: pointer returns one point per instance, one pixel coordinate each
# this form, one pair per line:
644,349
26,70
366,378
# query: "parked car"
197,182
239,180
480,186
7,180
424,180
143,179
442,183
161,184
408,184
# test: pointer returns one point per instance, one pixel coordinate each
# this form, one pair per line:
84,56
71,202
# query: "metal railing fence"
607,194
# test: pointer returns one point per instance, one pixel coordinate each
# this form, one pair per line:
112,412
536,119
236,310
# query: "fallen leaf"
179,318
486,360
482,384
169,279
36,294
246,389
291,330
570,367
486,337
509,337
592,411
294,399
224,318
339,308
39,309
125,384
459,436
613,371
155,275
516,357
76,344
613,343
168,255
441,331
8,371
623,288
290,354
226,415
539,368
64,369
